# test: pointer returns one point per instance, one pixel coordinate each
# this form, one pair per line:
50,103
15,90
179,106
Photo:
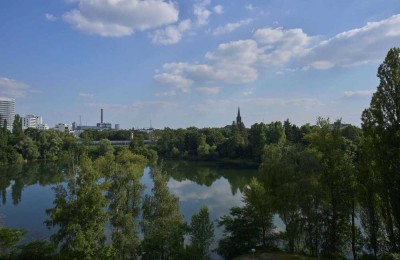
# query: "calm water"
26,191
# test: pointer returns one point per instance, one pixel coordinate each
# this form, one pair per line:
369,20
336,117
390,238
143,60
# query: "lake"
26,191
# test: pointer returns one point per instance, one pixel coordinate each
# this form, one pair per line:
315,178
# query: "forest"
335,187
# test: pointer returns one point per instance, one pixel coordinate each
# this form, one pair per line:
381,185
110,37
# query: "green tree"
381,125
201,234
330,147
162,224
124,194
9,239
257,200
17,131
28,148
79,215
241,233
105,147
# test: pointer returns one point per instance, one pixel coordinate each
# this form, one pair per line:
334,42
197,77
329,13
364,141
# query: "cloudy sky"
193,62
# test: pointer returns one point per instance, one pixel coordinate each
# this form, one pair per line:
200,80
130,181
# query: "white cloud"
166,93
174,80
13,88
209,90
248,92
278,50
281,46
82,94
171,34
230,27
201,12
230,63
218,9
116,18
358,46
359,93
50,17
249,7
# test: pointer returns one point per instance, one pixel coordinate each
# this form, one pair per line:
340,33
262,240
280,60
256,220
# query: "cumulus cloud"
357,46
230,27
281,46
209,90
116,18
50,17
174,80
201,12
13,88
359,93
230,63
218,9
279,50
171,34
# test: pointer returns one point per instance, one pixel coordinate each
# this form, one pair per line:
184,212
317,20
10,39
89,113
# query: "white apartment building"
7,112
42,127
66,128
31,121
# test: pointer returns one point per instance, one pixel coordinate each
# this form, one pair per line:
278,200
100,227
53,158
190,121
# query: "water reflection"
26,190
16,177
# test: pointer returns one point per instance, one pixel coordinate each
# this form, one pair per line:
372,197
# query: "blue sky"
193,62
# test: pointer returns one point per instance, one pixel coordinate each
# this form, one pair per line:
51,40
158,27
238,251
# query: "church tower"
238,118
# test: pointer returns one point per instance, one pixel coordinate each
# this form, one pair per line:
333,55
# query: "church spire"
238,118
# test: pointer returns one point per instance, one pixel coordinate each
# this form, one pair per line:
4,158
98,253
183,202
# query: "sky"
194,62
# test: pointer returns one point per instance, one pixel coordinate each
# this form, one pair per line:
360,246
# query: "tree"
381,125
17,131
201,234
79,215
124,194
28,148
9,239
241,232
162,224
105,147
257,200
330,147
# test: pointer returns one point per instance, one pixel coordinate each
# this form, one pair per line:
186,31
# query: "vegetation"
335,187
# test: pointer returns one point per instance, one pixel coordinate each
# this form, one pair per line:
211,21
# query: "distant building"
99,126
31,121
239,122
66,128
42,127
117,127
7,112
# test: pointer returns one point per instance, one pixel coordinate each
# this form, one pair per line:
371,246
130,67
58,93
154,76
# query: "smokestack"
101,121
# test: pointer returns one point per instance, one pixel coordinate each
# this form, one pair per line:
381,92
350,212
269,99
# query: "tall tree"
329,146
79,215
201,234
124,194
381,125
162,224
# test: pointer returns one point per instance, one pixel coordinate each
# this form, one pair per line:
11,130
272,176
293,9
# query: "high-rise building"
7,112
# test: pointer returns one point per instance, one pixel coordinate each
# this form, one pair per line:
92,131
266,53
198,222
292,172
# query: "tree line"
337,191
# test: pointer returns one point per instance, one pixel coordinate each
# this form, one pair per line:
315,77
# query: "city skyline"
192,63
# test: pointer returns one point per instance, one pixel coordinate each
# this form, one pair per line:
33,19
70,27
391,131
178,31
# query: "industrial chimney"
101,121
